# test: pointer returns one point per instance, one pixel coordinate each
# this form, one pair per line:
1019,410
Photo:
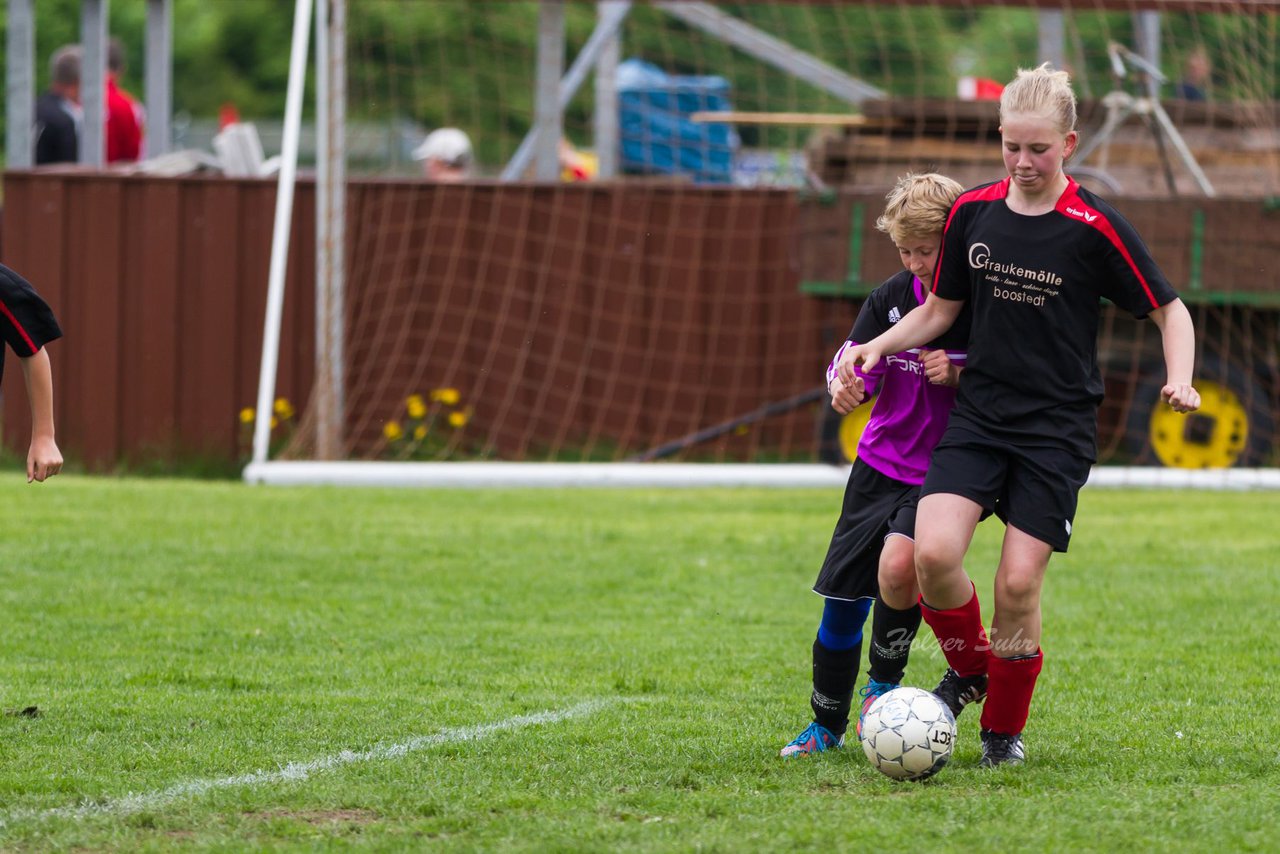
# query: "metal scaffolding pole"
331,194
773,50
1146,42
93,82
548,117
158,70
1053,37
606,107
607,28
20,86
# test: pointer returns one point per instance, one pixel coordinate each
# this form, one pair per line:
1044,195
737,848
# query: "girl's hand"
861,355
845,399
938,368
1181,396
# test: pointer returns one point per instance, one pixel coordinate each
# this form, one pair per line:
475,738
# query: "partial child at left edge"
27,324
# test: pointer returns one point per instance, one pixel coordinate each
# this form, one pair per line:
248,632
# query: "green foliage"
234,53
173,632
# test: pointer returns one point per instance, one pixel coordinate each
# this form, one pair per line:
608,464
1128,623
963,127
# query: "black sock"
834,673
892,632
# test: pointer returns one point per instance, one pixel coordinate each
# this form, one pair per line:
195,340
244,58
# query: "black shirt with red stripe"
26,321
1034,284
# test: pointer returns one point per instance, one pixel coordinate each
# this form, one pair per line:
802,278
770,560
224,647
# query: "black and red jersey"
1035,284
26,321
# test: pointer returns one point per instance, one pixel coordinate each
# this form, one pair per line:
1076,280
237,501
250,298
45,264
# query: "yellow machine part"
1213,437
851,427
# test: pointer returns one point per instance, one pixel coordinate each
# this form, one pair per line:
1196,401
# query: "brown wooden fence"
160,285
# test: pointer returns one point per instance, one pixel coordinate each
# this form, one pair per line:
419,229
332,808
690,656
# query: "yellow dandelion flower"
246,415
283,408
457,419
275,422
416,406
447,396
392,430
420,432
741,430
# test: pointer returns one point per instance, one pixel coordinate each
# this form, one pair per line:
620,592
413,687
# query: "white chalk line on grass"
135,803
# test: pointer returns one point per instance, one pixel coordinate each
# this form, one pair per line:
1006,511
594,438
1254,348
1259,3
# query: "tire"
1233,427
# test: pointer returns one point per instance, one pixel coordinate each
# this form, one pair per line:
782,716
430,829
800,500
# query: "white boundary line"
134,803
662,475
499,474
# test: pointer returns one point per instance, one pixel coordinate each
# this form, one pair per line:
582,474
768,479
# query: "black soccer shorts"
1033,489
875,506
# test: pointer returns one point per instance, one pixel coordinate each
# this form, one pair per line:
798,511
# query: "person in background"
1194,85
446,155
58,112
577,165
124,112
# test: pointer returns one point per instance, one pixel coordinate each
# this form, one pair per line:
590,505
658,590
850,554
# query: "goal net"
672,286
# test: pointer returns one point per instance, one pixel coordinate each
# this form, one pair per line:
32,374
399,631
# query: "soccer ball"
908,733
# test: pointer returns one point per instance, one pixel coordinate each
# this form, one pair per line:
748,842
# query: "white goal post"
285,185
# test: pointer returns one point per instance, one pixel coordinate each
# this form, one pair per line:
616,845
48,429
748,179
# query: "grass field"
227,668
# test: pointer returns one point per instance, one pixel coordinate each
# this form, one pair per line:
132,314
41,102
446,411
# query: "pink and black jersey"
910,413
1034,284
26,322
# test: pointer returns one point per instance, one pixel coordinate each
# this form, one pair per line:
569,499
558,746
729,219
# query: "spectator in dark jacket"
58,113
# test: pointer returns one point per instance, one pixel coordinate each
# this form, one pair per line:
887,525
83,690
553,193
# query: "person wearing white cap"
445,155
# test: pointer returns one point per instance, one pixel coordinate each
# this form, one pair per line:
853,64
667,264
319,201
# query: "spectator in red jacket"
124,112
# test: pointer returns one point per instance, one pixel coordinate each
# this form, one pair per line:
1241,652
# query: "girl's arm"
917,328
1178,335
43,458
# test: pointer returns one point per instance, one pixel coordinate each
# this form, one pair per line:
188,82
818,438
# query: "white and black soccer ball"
908,734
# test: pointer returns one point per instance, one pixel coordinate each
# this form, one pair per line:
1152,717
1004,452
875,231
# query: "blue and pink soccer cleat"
872,692
815,739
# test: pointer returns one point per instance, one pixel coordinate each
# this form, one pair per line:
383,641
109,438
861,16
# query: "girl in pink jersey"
870,558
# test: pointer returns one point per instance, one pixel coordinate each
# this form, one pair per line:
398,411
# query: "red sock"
960,634
1012,681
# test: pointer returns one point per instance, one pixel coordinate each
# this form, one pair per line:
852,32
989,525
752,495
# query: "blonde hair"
918,205
1041,91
